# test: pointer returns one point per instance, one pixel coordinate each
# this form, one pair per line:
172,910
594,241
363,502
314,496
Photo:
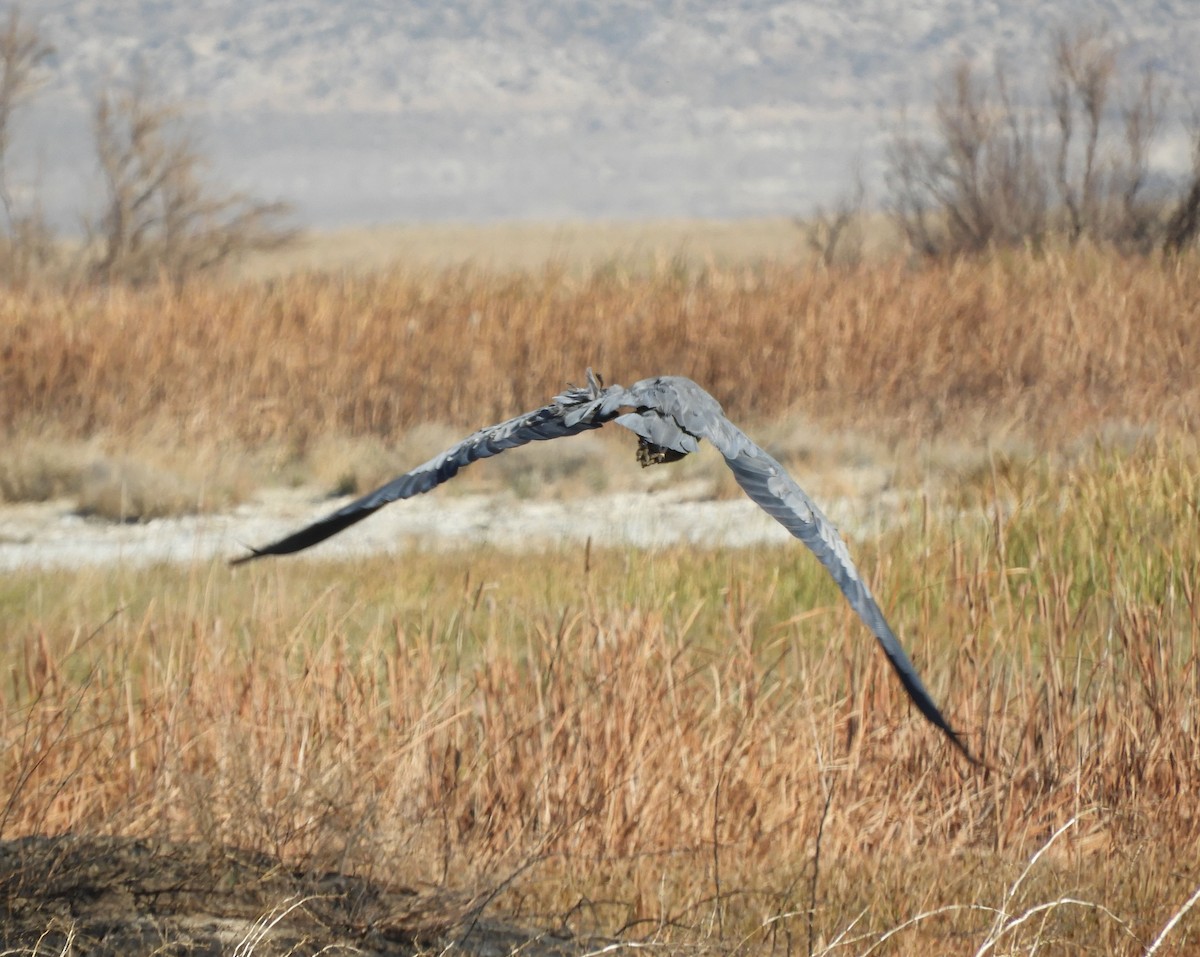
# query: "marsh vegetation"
696,748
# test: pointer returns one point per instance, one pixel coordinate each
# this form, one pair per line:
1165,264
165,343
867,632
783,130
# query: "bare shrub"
1083,75
161,219
835,235
1183,225
999,173
981,183
1101,188
28,244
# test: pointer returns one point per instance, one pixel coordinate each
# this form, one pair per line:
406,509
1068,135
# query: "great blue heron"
670,415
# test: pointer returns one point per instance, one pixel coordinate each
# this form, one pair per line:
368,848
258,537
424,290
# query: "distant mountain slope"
369,111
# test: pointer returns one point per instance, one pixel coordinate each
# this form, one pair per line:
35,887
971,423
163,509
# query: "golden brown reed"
1049,345
651,745
655,743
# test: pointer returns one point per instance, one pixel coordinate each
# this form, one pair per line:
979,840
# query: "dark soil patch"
118,896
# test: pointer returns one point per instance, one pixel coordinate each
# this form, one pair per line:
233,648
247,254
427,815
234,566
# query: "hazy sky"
362,112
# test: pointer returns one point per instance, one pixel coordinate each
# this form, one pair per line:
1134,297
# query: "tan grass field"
1045,350
579,247
693,750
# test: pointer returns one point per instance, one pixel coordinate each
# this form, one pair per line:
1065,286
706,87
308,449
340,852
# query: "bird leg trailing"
650,454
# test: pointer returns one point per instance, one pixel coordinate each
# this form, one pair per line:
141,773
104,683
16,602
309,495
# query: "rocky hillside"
362,111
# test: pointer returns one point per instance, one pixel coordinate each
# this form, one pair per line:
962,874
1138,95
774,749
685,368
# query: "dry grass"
1048,347
655,744
651,744
148,479
579,247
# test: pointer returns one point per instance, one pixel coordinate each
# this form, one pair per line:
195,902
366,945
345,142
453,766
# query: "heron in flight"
669,415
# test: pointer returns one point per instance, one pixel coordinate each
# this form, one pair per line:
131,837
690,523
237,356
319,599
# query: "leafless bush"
982,182
1183,225
1083,76
160,218
28,243
835,236
996,173
1101,189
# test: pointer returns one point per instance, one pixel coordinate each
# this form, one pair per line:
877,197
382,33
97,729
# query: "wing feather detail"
571,413
769,485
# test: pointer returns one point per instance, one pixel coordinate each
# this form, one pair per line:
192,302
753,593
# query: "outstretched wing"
575,411
672,411
766,482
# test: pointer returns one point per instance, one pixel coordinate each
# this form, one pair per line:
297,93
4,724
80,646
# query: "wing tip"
961,747
254,553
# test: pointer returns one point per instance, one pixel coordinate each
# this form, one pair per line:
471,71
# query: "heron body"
670,415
